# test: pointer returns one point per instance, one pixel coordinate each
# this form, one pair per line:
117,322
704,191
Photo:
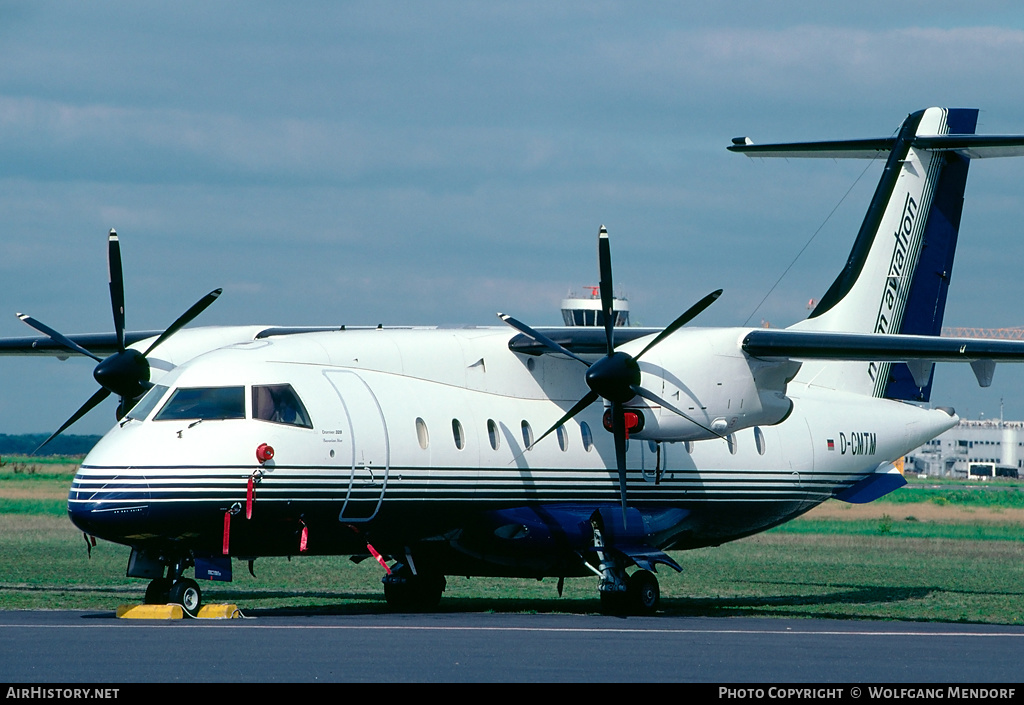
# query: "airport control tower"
586,310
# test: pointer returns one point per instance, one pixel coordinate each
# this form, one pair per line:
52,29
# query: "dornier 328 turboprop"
535,452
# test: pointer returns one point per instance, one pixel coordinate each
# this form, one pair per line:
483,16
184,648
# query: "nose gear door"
368,451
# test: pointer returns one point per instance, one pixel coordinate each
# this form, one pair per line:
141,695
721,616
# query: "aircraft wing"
582,340
102,344
816,345
98,343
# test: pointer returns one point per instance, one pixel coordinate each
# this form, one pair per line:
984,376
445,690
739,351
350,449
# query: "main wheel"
643,593
613,603
158,591
185,592
414,593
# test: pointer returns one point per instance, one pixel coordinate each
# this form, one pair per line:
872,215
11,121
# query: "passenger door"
367,450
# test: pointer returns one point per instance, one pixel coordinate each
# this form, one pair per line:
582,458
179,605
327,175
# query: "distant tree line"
61,445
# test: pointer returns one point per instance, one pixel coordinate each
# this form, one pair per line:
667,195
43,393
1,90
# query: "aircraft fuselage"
421,437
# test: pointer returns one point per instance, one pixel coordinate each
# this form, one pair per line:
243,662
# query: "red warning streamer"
227,532
380,558
248,498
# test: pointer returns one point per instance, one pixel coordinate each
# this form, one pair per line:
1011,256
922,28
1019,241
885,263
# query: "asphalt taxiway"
96,647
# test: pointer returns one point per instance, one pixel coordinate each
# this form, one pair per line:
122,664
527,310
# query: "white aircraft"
484,451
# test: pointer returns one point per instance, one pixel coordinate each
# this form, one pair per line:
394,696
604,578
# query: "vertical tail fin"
897,275
926,299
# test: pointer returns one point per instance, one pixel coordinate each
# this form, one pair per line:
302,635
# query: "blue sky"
433,163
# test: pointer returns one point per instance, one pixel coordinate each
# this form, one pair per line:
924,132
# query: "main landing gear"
405,591
639,596
636,594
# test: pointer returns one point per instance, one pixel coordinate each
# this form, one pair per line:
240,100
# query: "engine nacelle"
704,373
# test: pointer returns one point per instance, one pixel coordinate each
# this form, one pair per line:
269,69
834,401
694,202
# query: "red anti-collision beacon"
264,452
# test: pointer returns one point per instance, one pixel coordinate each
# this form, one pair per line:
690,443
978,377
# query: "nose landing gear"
173,589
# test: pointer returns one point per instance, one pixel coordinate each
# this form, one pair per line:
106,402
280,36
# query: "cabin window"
759,440
588,437
731,440
421,433
457,433
278,403
204,403
492,434
563,438
140,411
527,434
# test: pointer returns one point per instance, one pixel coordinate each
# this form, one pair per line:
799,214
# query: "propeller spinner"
616,376
126,372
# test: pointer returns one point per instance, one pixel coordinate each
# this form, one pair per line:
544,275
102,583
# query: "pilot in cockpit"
278,404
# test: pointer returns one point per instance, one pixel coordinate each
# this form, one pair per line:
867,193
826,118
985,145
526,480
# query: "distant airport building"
586,310
981,449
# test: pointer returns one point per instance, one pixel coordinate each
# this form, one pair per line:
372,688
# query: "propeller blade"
582,404
126,372
604,259
651,396
88,406
619,431
540,338
57,337
690,314
186,318
116,276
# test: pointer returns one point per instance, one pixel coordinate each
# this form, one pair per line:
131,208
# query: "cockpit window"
140,411
278,403
206,403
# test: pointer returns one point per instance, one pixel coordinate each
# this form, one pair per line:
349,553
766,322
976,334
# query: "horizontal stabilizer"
832,149
970,146
973,146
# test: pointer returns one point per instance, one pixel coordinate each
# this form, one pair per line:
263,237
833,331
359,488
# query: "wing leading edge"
96,343
878,347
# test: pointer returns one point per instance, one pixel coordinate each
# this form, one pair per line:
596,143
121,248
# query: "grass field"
949,552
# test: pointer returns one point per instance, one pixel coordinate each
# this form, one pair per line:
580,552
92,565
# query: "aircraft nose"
108,505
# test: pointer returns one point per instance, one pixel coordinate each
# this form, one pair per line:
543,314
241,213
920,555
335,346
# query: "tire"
186,592
158,592
613,603
644,593
414,593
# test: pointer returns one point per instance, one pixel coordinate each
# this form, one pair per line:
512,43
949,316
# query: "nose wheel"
186,592
174,589
158,592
